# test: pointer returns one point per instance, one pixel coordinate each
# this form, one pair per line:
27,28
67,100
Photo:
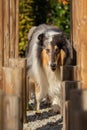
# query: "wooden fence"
79,37
12,69
9,11
75,90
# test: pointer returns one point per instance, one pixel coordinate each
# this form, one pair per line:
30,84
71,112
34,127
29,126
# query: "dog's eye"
47,51
57,50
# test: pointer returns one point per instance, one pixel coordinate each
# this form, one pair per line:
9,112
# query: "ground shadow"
42,115
52,126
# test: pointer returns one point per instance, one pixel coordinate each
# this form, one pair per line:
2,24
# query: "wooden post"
11,113
1,109
21,62
17,29
67,86
12,84
1,33
12,81
81,120
1,79
78,103
79,37
12,27
68,72
6,10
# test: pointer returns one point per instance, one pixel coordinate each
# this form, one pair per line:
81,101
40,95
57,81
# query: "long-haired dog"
48,49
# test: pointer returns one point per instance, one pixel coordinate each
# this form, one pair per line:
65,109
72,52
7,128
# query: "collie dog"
47,50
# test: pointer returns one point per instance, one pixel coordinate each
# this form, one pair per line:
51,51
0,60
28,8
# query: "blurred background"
35,12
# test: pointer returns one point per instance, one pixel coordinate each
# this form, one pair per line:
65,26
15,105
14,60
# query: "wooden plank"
13,84
68,72
21,62
81,120
1,33
1,109
79,22
11,111
12,81
1,79
78,103
17,29
67,86
66,115
12,27
6,30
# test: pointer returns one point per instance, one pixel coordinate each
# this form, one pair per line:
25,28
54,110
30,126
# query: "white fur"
52,33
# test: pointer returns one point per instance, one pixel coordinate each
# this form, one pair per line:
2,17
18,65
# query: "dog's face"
52,45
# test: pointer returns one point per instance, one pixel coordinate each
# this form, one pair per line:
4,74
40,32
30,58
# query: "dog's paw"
56,108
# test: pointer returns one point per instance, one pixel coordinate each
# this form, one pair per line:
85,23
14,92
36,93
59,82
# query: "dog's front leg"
38,98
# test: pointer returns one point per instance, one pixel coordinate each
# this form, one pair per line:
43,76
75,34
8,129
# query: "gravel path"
46,120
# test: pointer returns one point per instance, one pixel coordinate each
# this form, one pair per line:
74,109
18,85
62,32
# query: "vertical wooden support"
20,62
78,105
11,113
1,33
12,27
17,29
1,109
12,81
79,37
81,120
6,11
1,79
68,72
12,84
67,86
69,82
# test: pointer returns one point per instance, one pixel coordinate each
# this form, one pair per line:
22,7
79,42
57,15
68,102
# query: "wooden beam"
1,33
81,120
12,81
68,86
78,103
69,72
11,113
21,63
13,84
12,27
6,24
1,109
17,30
79,37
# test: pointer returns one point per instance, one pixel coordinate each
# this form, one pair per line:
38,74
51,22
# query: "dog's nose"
53,66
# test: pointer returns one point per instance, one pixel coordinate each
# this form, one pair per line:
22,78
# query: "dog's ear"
67,47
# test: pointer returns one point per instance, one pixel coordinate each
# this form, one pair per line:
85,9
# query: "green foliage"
25,23
35,12
59,15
